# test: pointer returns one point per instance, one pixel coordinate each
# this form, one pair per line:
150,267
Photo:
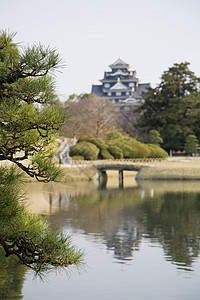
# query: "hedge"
116,152
100,143
115,147
105,154
156,151
76,157
88,150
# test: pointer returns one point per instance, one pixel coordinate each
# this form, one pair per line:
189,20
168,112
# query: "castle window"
131,84
107,85
127,93
109,94
118,93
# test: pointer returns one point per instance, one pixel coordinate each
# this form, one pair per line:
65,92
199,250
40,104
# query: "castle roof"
119,63
118,72
119,86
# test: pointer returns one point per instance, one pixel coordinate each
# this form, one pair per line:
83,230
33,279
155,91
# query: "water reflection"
146,218
165,215
12,276
164,212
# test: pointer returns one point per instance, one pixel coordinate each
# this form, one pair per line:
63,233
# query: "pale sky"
150,35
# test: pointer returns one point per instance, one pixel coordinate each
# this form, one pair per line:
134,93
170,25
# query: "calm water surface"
141,242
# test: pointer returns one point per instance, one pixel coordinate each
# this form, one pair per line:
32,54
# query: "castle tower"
120,85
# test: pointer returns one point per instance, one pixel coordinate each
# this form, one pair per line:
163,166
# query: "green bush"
100,143
116,152
77,157
127,151
115,147
105,154
156,151
140,150
131,148
88,150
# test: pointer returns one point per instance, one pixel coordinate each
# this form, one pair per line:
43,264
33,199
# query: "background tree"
29,123
191,144
127,120
173,107
154,137
89,115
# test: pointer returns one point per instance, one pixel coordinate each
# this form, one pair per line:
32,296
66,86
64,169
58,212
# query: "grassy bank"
83,173
180,168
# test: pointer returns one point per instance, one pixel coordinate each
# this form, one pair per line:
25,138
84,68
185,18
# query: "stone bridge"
119,165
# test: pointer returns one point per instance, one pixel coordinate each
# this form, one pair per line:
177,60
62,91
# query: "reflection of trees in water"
104,212
174,220
11,277
122,217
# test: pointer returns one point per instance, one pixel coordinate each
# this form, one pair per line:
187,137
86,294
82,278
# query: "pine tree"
29,124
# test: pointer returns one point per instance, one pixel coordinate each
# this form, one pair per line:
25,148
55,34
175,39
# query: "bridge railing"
111,161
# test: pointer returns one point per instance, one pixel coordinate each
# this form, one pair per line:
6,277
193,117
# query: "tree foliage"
127,120
154,137
29,123
191,144
28,236
29,118
173,107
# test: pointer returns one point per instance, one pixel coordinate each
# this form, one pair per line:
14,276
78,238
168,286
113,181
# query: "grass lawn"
172,168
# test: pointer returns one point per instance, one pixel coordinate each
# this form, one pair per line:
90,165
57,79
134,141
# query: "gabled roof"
119,63
119,86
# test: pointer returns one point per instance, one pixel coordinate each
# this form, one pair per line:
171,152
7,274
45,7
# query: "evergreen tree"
154,138
29,122
191,144
173,107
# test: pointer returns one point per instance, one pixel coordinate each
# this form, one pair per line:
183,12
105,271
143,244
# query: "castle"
120,85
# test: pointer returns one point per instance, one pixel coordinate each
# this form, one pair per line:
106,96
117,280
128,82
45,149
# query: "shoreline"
173,168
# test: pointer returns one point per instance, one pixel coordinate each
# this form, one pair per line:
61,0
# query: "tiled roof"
119,62
119,86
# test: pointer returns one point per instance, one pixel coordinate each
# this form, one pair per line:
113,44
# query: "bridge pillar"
103,179
121,179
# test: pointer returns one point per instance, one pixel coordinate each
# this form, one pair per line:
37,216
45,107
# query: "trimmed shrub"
116,152
156,151
100,143
140,150
77,157
88,150
105,154
116,147
127,151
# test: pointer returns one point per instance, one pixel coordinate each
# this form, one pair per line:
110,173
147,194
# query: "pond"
141,242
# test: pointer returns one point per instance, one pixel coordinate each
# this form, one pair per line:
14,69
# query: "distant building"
120,85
